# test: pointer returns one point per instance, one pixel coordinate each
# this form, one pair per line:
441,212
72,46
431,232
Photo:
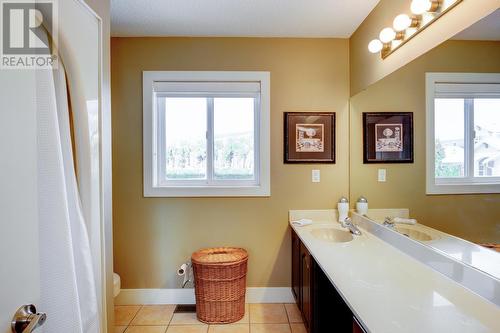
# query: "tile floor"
259,318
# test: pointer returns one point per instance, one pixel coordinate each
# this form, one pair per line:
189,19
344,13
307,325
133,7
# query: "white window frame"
258,187
470,82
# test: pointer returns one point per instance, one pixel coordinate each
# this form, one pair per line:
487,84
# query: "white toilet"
116,284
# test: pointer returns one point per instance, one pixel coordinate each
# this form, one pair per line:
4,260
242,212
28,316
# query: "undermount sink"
332,235
415,234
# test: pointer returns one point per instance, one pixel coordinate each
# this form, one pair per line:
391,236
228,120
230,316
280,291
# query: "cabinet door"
306,286
356,326
330,314
296,268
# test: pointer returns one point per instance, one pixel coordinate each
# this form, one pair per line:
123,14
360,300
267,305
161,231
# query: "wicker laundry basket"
220,284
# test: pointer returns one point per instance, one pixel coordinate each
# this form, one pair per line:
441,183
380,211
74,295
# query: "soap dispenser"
362,206
343,208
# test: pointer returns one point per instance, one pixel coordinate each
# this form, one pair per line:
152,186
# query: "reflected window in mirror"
463,133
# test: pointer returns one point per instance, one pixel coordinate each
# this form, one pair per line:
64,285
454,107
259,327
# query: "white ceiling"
245,18
486,29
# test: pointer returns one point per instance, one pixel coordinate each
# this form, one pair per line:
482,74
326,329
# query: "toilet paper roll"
182,270
185,270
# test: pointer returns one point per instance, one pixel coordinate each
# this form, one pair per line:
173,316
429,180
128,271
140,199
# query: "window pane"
234,138
185,138
487,138
449,135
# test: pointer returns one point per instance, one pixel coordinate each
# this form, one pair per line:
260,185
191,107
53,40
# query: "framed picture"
309,137
388,137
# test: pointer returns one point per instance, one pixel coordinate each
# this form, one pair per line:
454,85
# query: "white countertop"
390,291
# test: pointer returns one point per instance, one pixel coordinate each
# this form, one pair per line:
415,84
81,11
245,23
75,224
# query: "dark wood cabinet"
306,286
296,267
356,326
323,308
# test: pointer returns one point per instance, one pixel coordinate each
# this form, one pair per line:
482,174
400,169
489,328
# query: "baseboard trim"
186,296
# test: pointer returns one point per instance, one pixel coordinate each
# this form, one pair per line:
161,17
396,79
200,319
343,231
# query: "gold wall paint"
152,236
368,68
473,217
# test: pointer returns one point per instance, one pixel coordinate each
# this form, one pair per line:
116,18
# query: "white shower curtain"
68,290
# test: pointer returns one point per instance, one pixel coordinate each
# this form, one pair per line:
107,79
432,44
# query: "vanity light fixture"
405,27
387,35
375,46
403,22
419,7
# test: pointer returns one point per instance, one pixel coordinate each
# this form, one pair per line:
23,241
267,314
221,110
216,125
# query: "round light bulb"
375,46
418,7
387,35
401,22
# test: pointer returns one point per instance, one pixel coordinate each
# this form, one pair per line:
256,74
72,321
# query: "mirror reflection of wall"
466,137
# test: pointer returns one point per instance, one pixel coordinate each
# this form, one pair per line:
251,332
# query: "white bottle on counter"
362,206
343,209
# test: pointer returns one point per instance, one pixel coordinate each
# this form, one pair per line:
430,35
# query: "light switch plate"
316,176
382,175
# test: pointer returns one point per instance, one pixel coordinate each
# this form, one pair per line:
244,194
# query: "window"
206,134
463,133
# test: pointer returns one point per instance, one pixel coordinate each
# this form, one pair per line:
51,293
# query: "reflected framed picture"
387,137
309,137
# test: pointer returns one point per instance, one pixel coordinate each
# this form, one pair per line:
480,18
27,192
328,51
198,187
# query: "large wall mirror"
452,187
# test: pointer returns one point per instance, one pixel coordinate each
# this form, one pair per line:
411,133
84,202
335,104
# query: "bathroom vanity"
322,307
347,283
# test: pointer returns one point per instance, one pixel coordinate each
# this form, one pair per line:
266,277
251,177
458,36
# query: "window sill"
207,191
433,189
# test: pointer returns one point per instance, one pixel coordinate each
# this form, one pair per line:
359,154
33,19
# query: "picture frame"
309,137
387,137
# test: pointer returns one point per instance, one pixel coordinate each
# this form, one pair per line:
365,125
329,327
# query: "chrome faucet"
347,223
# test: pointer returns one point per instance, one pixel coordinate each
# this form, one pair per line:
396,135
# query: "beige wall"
368,68
473,217
152,236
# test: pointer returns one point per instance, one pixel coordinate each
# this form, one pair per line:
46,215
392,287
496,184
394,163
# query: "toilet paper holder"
186,271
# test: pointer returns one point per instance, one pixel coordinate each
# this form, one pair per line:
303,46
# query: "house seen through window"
187,138
450,138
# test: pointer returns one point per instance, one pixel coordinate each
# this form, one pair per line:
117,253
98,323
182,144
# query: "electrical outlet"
382,175
316,176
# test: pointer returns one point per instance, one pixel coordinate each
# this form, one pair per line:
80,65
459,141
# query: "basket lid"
219,255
